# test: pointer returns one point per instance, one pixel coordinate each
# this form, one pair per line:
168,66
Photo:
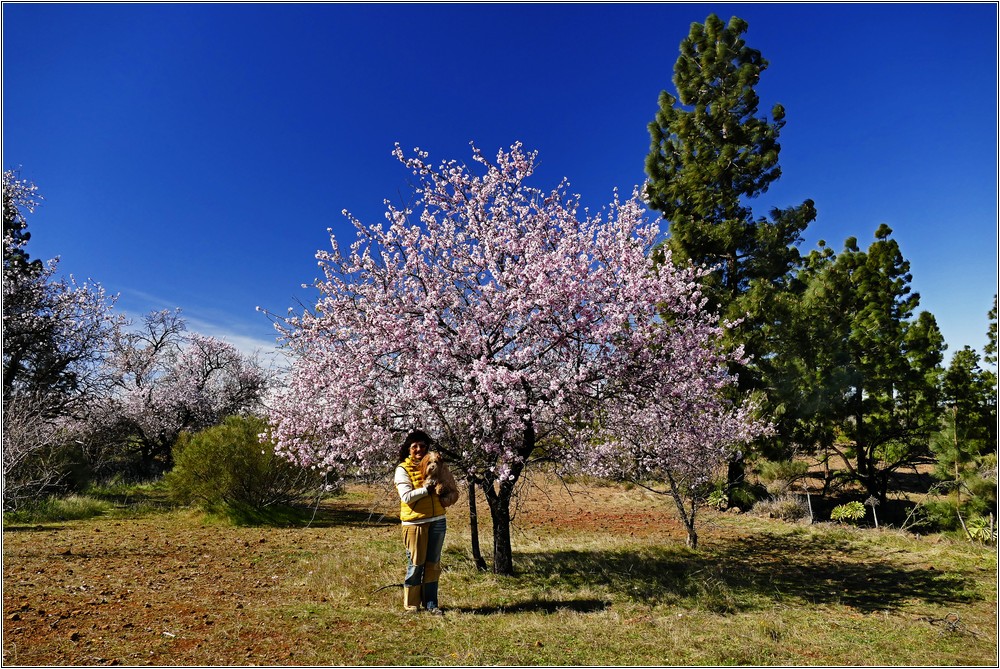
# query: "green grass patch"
757,592
58,509
133,499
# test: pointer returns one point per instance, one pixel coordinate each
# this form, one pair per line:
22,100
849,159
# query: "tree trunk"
498,497
876,483
864,475
503,555
147,459
958,474
735,473
686,517
477,555
827,474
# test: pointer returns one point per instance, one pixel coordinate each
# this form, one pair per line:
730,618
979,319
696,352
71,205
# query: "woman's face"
418,450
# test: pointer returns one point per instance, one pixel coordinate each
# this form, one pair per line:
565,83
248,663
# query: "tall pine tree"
711,153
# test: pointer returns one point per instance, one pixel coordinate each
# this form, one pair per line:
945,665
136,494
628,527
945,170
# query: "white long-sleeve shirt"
408,494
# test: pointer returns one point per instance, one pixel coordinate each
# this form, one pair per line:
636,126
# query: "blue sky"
194,155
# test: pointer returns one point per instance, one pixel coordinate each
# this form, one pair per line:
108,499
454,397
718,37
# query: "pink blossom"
490,311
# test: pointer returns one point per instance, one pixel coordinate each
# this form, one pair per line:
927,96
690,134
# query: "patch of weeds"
132,499
785,507
56,509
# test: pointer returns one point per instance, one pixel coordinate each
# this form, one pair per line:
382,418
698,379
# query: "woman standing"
424,527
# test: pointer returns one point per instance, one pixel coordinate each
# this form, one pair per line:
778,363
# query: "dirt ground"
131,591
160,589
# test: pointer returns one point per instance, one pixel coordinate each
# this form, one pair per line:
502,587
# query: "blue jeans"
423,562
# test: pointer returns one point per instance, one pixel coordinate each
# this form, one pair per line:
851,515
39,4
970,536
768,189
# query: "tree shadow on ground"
538,606
750,573
822,570
331,516
912,481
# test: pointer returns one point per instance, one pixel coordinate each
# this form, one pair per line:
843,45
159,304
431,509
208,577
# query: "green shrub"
745,495
718,499
227,467
983,530
984,491
978,505
939,515
851,512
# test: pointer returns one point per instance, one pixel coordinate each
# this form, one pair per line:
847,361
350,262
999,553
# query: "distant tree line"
88,394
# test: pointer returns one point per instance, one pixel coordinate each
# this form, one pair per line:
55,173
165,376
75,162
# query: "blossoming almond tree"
168,381
56,334
497,316
671,440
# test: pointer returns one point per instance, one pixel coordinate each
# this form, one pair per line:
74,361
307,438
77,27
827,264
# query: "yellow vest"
425,507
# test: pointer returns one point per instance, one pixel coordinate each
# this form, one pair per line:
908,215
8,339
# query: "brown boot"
411,598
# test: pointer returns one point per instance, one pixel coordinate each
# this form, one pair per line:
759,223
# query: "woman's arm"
407,493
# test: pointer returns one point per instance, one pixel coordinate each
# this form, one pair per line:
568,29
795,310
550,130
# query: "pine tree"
990,350
869,374
711,153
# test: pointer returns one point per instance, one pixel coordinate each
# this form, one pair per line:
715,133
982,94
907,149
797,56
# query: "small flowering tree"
167,381
671,439
499,317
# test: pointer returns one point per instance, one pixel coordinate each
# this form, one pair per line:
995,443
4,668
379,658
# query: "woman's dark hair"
412,438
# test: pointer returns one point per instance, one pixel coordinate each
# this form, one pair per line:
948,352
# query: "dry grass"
603,579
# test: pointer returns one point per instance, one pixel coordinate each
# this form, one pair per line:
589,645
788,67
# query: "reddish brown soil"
156,590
